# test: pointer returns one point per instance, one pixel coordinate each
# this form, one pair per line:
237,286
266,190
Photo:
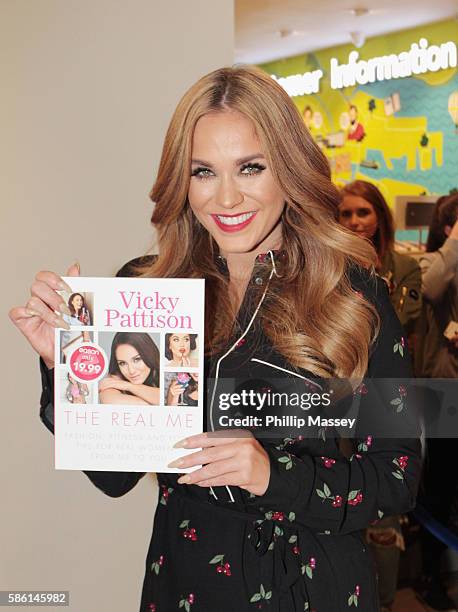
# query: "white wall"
87,89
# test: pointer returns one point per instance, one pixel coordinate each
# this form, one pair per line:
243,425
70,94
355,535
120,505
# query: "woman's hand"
114,382
239,460
37,320
174,392
185,361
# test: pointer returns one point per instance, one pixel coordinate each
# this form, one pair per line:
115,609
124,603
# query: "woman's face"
131,365
180,345
77,302
358,215
232,190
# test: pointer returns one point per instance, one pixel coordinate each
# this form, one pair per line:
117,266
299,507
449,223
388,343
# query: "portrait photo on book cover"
181,350
181,388
133,368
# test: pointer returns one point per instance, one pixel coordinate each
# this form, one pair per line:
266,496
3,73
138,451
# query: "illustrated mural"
399,133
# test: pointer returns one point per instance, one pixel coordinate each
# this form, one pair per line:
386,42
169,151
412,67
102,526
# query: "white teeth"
234,220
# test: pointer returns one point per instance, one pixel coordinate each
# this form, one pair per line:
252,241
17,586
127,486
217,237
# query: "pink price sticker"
88,362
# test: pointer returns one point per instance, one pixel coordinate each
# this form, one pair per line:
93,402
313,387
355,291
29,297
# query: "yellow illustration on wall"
401,133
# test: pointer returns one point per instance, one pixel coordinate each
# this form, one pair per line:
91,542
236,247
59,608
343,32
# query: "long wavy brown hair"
310,314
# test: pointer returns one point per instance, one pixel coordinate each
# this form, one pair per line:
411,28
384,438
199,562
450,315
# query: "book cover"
127,373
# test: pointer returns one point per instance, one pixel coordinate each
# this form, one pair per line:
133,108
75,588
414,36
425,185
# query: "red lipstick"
231,223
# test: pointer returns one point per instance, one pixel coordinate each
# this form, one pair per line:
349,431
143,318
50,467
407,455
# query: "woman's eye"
250,169
121,364
137,359
202,173
344,214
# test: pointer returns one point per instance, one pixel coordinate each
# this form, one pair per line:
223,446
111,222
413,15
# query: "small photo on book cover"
72,391
81,306
133,368
181,388
181,350
72,339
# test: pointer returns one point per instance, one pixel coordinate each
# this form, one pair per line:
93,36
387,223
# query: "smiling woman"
235,197
133,373
243,199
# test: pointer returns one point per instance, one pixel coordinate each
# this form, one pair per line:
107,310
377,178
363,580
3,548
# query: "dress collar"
262,266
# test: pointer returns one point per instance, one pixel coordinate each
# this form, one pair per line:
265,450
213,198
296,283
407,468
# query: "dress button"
258,280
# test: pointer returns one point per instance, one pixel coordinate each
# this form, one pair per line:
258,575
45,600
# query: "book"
128,373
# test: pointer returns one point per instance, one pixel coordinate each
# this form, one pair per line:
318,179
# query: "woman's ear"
447,230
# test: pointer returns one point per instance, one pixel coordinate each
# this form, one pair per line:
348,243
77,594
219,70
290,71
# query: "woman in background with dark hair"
133,371
363,210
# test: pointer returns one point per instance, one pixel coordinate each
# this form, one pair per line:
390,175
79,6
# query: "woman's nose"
229,194
354,222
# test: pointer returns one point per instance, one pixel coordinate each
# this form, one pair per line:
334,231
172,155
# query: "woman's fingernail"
62,285
77,264
59,322
184,479
32,313
181,443
175,464
64,308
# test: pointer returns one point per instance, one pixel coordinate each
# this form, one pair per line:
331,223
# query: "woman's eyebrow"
238,162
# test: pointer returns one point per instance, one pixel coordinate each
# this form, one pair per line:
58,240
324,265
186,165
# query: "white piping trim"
271,365
273,271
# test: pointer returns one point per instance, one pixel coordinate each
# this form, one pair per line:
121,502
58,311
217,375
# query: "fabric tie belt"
280,571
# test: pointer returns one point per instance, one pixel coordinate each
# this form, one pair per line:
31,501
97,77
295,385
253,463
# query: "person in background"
437,357
363,210
437,354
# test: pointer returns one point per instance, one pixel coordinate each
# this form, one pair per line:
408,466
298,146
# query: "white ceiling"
319,24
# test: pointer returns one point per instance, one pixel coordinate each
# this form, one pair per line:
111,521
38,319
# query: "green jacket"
403,275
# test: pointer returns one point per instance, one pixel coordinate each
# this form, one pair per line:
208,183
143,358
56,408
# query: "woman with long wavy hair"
263,522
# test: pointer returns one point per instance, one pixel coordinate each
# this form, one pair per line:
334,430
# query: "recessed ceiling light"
359,12
286,33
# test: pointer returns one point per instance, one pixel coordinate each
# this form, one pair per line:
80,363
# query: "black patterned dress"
299,547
